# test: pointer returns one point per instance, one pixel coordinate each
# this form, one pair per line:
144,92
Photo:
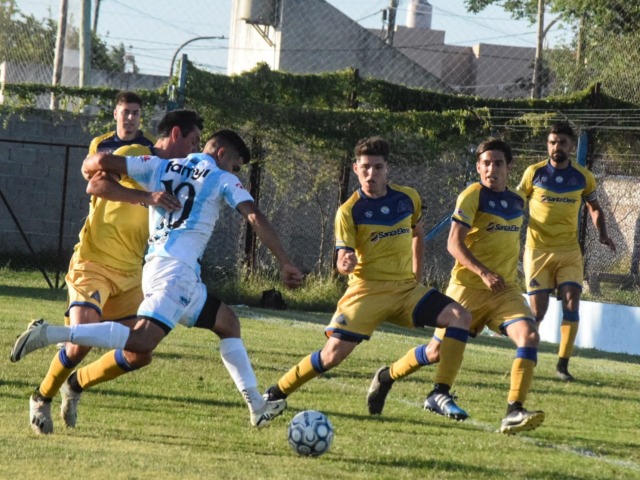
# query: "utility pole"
85,44
537,64
59,54
94,29
391,24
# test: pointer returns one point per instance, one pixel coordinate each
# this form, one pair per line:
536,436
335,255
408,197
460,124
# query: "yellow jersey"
555,199
494,220
110,142
116,233
380,232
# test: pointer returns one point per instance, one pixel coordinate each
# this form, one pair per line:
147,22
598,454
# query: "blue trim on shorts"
574,284
122,362
542,290
421,355
345,335
83,304
456,333
503,326
66,361
316,362
570,316
527,353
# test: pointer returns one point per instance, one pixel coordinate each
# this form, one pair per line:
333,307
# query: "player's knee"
227,323
455,315
138,360
76,353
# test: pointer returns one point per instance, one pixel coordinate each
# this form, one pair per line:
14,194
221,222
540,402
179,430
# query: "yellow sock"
102,370
521,378
451,354
409,363
55,377
568,332
307,369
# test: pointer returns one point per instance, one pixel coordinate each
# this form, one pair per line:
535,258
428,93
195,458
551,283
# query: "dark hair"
187,120
562,128
228,138
372,146
128,97
495,144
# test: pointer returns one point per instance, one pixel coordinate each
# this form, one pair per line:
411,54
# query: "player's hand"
494,281
609,243
348,262
165,200
291,276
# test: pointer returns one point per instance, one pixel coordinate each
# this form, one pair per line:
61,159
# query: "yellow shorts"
548,271
493,310
366,304
114,294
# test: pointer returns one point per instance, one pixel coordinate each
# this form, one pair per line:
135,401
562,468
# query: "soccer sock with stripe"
414,359
451,354
522,373
568,332
307,369
59,370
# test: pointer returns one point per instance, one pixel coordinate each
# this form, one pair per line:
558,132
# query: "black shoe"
562,370
378,392
273,394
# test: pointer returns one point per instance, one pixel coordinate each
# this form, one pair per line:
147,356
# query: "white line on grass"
581,452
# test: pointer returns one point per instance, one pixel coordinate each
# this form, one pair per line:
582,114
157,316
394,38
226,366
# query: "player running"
485,241
173,291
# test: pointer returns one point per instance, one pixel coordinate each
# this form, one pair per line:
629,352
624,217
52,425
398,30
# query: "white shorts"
173,292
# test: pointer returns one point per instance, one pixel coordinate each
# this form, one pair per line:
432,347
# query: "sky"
153,30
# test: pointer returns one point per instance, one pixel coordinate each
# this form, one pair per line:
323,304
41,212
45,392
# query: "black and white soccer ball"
310,433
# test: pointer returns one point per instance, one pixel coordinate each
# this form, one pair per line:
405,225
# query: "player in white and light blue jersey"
171,282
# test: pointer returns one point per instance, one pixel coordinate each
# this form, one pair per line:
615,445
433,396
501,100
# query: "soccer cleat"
40,414
521,421
33,338
273,393
377,394
564,375
69,407
261,418
444,404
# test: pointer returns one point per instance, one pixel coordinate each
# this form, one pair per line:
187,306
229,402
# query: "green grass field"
182,417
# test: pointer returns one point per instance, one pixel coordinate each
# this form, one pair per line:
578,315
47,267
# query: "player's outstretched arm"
290,274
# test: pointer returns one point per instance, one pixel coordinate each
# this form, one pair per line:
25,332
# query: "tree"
24,39
604,44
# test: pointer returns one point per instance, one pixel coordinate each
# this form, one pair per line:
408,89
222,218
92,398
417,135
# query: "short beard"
559,157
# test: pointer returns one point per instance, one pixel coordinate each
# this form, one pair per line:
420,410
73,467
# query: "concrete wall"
32,176
603,326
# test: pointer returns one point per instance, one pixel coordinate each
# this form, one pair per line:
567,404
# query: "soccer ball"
310,433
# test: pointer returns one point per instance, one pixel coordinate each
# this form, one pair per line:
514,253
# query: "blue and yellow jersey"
116,233
380,232
494,220
110,142
555,198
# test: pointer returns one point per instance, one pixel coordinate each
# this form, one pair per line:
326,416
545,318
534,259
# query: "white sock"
105,335
236,360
